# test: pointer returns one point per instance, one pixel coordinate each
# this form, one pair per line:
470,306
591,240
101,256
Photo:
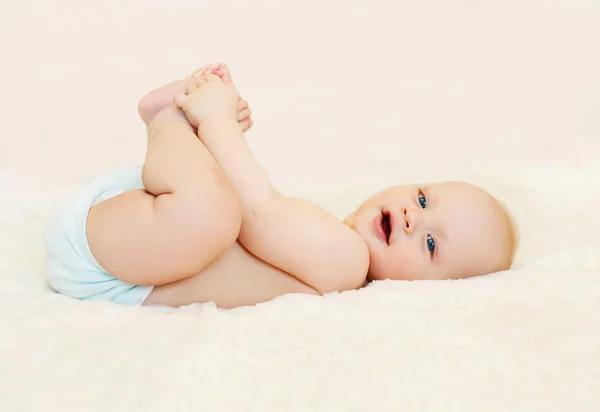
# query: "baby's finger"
196,73
198,81
243,104
180,99
244,114
194,85
212,78
246,124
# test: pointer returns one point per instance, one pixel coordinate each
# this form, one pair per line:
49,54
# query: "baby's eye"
430,244
422,200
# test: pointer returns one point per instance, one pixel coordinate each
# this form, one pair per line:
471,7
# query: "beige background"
344,93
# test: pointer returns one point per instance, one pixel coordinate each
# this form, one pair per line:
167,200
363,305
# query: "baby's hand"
208,97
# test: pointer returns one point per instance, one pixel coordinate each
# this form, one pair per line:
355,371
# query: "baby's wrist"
215,122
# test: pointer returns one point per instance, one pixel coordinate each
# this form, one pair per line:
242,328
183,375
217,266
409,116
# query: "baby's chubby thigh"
149,240
116,241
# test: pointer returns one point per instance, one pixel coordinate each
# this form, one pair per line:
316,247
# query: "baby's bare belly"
237,278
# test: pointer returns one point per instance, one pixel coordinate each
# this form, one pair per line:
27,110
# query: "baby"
200,221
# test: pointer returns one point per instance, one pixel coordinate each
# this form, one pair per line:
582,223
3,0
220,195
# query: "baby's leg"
159,98
186,218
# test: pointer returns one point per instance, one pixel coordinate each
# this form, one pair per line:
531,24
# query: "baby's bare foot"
209,68
221,70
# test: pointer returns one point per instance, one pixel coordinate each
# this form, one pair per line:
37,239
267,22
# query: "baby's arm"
292,234
296,236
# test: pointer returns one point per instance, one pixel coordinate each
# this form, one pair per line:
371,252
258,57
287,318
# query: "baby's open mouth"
386,225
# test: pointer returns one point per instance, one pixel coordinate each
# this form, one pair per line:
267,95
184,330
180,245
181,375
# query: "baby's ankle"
169,114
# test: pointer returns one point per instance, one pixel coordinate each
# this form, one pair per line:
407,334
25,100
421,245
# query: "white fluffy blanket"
524,340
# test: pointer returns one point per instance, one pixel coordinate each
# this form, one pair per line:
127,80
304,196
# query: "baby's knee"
146,108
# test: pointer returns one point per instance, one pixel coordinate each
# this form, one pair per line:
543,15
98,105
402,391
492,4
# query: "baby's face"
439,231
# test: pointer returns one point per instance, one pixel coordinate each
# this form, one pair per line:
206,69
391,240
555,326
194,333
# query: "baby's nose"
410,220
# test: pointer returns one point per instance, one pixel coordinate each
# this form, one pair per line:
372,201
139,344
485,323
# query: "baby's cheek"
406,263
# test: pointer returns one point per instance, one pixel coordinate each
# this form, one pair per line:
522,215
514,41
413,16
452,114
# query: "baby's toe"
225,73
205,69
246,124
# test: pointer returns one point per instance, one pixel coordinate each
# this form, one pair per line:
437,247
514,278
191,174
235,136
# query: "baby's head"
440,231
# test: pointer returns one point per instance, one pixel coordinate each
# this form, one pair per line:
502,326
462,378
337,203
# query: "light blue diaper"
72,270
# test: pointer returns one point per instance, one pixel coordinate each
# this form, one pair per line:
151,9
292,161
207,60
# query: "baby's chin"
383,270
376,272
374,276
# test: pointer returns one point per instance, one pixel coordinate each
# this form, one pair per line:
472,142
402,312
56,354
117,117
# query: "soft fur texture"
524,340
